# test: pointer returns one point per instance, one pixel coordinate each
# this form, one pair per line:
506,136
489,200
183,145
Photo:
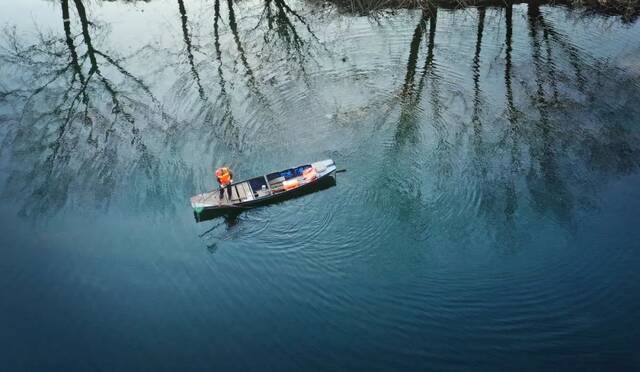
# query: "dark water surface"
488,218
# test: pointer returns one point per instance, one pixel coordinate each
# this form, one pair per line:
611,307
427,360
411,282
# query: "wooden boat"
265,189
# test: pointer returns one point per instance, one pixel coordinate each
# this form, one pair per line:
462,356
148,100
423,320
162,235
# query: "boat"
267,189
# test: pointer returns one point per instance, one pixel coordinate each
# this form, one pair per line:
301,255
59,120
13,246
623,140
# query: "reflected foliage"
412,91
75,98
523,124
189,48
233,63
82,111
527,167
627,10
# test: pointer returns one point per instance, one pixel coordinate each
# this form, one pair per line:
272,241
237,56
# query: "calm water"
488,218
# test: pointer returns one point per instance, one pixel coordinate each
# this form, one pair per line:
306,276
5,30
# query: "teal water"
488,218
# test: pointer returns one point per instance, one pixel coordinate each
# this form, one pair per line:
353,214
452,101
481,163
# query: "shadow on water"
547,187
229,221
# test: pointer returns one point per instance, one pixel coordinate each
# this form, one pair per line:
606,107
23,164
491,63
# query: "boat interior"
277,180
255,188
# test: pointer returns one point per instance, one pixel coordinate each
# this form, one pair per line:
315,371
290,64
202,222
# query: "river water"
488,218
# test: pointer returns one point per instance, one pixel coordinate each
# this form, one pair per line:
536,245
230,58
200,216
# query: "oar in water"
210,230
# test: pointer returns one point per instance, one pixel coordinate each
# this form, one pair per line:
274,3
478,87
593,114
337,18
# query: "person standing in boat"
225,178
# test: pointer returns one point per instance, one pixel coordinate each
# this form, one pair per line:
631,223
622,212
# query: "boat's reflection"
232,219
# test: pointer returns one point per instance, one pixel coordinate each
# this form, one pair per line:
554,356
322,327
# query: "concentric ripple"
487,219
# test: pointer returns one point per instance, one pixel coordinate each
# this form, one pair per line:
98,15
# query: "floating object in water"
266,189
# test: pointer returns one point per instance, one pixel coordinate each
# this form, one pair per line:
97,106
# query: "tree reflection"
233,25
407,195
278,15
187,41
475,117
278,28
533,175
67,78
553,193
227,116
85,115
512,115
66,81
547,182
408,124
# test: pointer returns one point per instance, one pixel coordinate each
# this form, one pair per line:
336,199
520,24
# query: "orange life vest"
224,176
310,174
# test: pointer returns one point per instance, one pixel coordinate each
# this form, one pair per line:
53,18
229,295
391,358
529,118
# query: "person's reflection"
230,221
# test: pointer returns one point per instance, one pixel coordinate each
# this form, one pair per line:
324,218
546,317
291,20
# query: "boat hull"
325,180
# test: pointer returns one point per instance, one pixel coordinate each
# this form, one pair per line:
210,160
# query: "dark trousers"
222,192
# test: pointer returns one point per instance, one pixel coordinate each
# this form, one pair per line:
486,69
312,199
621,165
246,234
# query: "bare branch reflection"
62,111
515,115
